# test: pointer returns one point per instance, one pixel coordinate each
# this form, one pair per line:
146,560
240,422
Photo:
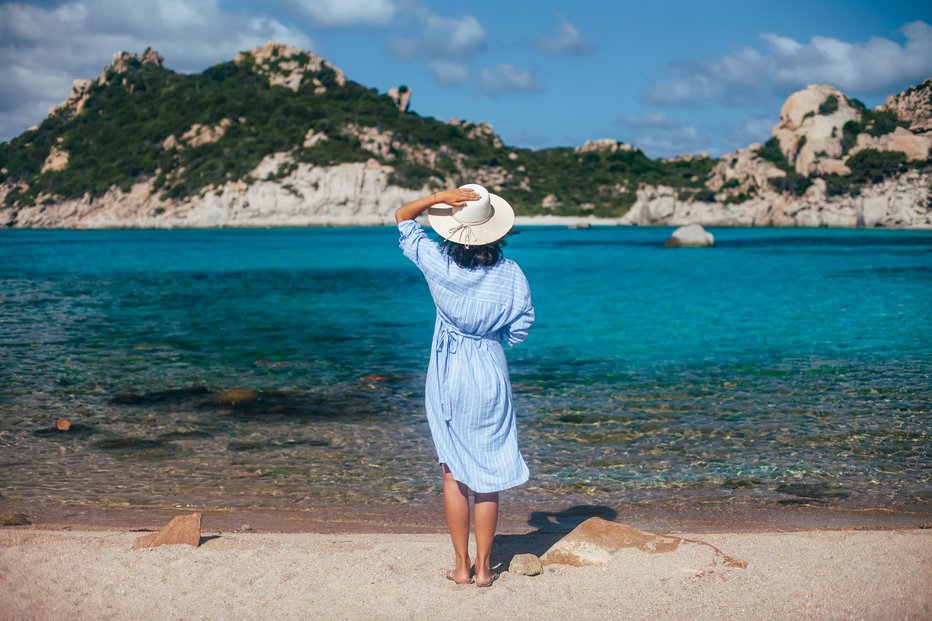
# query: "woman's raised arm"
455,197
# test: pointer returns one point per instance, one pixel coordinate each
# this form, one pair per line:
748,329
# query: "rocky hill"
280,137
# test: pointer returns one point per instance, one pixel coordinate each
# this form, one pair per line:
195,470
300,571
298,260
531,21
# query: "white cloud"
566,40
503,79
344,13
660,135
749,130
449,73
42,50
440,37
875,67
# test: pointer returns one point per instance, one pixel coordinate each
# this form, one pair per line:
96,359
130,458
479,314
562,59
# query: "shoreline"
357,222
717,517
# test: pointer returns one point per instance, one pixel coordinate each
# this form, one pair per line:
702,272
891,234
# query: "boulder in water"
690,236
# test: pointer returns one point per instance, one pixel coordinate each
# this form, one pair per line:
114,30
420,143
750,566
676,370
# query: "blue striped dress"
468,391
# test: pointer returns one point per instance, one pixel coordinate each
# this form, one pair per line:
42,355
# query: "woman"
482,300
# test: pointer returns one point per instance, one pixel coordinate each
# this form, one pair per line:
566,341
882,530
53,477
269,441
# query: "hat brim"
441,219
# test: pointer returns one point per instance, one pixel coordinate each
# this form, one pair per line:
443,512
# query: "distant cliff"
280,137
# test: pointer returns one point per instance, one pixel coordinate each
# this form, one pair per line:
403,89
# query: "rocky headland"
280,137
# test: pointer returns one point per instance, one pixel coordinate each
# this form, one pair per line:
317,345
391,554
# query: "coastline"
324,222
515,518
374,221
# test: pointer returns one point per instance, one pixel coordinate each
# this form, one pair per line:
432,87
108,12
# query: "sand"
841,574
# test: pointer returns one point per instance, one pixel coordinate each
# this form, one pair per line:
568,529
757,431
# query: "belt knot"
450,338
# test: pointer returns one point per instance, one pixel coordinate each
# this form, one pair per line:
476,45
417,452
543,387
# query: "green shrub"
793,183
873,166
772,153
829,106
849,136
800,145
736,199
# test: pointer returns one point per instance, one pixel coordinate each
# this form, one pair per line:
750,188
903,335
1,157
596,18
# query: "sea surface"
284,369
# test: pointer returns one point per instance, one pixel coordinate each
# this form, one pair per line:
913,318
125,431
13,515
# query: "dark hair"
485,255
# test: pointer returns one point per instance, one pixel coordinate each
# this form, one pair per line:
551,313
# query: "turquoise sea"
284,368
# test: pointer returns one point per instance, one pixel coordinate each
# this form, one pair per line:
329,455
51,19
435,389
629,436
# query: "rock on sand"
594,541
525,565
182,529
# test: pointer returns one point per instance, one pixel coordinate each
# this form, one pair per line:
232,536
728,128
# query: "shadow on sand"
550,527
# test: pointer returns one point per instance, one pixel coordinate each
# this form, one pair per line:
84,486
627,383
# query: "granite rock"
690,236
182,529
594,541
525,565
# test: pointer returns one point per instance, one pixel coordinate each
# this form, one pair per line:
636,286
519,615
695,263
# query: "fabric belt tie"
448,341
450,338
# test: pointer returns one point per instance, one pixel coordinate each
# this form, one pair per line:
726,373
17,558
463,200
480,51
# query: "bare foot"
484,575
461,574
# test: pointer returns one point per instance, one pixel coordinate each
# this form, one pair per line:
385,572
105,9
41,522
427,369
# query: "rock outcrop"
606,145
812,129
812,125
288,66
743,169
899,202
913,105
401,95
57,160
346,194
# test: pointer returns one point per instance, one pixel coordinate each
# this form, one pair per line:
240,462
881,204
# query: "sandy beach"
836,574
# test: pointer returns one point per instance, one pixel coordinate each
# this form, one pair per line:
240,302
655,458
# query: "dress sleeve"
417,246
518,329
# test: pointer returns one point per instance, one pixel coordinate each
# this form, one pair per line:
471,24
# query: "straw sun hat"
478,222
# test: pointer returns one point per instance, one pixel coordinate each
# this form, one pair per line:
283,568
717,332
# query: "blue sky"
670,77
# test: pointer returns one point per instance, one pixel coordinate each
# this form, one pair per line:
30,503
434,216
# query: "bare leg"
456,506
486,510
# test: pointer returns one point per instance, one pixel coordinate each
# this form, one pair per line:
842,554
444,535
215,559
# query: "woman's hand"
455,197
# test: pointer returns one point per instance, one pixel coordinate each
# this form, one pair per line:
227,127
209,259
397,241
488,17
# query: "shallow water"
284,368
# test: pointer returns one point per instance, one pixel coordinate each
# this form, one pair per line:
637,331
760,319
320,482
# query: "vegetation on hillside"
119,138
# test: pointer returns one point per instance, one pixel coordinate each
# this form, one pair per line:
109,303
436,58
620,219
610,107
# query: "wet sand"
837,574
546,517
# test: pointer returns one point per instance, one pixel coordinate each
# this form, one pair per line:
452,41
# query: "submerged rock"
690,236
235,398
816,491
182,529
159,396
61,431
14,519
525,565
